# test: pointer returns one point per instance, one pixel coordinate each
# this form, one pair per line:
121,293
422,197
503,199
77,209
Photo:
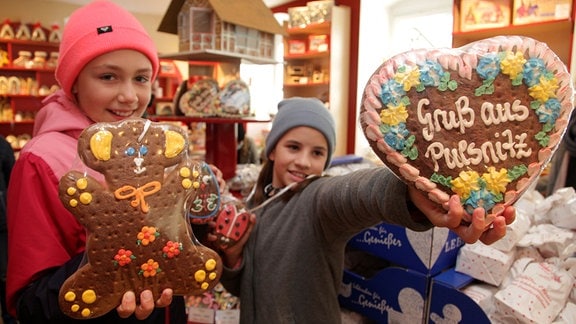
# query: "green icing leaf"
405,101
498,197
445,77
410,152
384,128
420,87
535,104
410,140
452,85
445,181
517,81
517,171
542,138
547,127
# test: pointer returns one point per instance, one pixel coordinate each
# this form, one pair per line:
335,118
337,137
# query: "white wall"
391,27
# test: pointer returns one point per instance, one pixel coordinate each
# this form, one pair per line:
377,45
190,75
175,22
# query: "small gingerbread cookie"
139,236
231,224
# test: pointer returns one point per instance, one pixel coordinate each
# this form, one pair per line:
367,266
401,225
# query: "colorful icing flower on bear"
150,268
123,257
171,249
147,235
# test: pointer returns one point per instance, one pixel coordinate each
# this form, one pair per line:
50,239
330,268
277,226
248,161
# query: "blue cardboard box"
427,252
449,305
393,295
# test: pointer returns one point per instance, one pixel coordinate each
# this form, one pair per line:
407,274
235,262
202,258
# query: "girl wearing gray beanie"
288,267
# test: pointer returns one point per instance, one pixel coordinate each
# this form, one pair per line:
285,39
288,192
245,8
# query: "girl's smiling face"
114,86
300,152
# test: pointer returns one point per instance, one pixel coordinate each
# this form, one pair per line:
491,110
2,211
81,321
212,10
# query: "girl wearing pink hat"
106,67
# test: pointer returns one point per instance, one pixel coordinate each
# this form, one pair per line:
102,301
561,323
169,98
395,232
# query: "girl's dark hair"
264,178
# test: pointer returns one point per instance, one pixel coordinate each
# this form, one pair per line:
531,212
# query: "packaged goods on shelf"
483,14
528,12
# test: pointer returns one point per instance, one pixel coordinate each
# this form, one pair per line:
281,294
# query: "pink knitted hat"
95,29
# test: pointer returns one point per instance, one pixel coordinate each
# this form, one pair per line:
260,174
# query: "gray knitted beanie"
295,112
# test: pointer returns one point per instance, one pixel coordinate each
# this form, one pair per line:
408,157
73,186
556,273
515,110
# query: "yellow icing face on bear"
139,235
481,121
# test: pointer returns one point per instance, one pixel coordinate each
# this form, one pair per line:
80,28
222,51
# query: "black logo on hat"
104,29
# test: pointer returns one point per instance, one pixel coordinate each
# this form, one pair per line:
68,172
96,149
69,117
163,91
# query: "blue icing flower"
489,66
392,91
396,136
549,112
430,73
534,68
480,198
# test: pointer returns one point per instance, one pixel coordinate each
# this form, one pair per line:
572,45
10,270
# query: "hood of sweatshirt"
60,114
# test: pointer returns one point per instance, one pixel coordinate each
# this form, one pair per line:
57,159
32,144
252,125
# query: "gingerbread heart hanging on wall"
481,121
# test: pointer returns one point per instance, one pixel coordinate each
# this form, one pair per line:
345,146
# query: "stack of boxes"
418,284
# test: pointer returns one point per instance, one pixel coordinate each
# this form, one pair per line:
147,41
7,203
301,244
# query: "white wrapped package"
550,240
518,267
484,262
514,232
567,315
530,201
564,215
482,294
536,296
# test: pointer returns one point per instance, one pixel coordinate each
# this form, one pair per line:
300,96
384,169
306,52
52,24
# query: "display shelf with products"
316,63
26,77
220,134
558,34
167,83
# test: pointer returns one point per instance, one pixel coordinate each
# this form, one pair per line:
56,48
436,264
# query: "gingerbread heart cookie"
139,235
481,121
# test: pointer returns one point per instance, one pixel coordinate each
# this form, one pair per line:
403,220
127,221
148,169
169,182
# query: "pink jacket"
42,233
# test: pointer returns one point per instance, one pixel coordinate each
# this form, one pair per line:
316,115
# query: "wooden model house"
239,28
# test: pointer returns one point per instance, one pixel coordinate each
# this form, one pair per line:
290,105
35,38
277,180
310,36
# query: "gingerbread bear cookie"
139,236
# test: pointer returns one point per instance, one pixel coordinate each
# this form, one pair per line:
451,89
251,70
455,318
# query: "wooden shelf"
320,28
24,104
217,56
557,34
331,67
307,56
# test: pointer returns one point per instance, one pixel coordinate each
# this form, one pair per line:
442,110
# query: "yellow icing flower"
545,90
409,78
465,183
394,114
513,64
496,181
